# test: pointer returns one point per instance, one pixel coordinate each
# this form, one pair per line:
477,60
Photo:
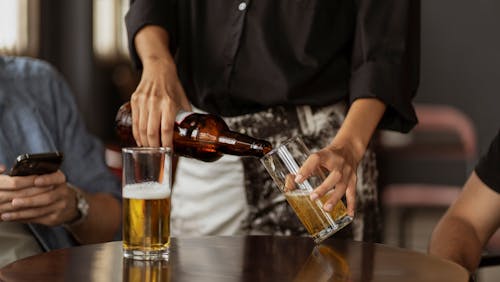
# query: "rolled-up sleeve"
150,12
385,60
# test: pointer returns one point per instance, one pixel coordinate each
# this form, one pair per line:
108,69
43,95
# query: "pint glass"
283,163
146,202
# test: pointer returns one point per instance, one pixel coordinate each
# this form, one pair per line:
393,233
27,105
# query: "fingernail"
299,178
5,216
328,207
38,181
16,202
314,196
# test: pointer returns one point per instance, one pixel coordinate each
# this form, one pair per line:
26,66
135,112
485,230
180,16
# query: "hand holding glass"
282,164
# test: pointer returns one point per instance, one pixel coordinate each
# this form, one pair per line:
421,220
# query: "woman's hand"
44,199
159,95
155,103
342,156
341,162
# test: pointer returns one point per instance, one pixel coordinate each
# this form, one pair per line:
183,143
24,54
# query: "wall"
66,42
460,60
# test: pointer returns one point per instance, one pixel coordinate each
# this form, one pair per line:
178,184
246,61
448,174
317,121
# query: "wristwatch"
81,204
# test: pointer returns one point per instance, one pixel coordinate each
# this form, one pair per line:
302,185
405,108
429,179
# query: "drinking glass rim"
275,149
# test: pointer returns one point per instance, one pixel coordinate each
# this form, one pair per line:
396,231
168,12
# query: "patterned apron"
269,212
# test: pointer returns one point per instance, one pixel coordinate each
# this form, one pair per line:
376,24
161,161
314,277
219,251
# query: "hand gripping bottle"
204,137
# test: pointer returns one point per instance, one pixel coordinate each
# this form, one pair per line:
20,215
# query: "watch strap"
81,205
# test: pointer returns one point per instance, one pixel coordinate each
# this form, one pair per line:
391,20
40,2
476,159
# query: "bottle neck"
234,143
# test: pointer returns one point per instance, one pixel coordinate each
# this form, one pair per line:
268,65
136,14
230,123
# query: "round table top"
245,258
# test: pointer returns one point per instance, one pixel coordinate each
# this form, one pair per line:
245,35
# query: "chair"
443,148
113,158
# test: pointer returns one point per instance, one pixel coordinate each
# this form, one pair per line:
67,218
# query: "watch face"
83,206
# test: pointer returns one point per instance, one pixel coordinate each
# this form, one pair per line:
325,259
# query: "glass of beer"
283,163
146,182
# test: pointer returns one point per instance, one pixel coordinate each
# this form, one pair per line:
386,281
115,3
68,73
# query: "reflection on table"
252,258
324,264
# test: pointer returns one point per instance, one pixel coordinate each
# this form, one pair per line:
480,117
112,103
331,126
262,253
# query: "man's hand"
43,199
11,187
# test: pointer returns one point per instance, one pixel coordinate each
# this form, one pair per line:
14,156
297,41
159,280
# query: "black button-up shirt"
238,57
488,168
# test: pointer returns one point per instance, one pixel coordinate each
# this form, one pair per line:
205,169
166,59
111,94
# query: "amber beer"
204,137
311,214
146,271
283,164
146,218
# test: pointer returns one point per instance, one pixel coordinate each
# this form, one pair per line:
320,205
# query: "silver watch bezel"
81,204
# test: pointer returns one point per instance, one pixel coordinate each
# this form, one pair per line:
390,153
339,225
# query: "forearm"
151,43
467,225
360,124
449,239
103,220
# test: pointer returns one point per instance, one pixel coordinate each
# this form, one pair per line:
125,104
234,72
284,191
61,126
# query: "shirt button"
242,6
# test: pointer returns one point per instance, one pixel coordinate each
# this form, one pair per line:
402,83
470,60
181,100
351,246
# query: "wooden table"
252,258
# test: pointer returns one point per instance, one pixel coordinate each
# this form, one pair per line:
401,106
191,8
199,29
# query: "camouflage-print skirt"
269,213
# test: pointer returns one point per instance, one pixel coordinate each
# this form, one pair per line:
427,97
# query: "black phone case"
31,164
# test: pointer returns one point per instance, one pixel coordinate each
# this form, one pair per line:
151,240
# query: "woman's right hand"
159,95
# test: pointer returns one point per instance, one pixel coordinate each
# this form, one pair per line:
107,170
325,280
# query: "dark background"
66,42
460,60
460,43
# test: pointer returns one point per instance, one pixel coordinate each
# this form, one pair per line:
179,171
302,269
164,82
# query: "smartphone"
42,163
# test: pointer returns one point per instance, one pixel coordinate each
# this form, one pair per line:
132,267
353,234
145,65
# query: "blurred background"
458,101
85,41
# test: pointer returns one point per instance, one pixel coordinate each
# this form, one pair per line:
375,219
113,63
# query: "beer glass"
283,163
146,182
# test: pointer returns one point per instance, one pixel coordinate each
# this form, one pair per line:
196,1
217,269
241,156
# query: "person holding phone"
79,203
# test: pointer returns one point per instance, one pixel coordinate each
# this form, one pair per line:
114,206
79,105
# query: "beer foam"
146,191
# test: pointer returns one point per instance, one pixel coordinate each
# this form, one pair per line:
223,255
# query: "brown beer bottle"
204,137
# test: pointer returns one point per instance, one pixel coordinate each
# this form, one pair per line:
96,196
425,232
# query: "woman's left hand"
342,156
341,161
